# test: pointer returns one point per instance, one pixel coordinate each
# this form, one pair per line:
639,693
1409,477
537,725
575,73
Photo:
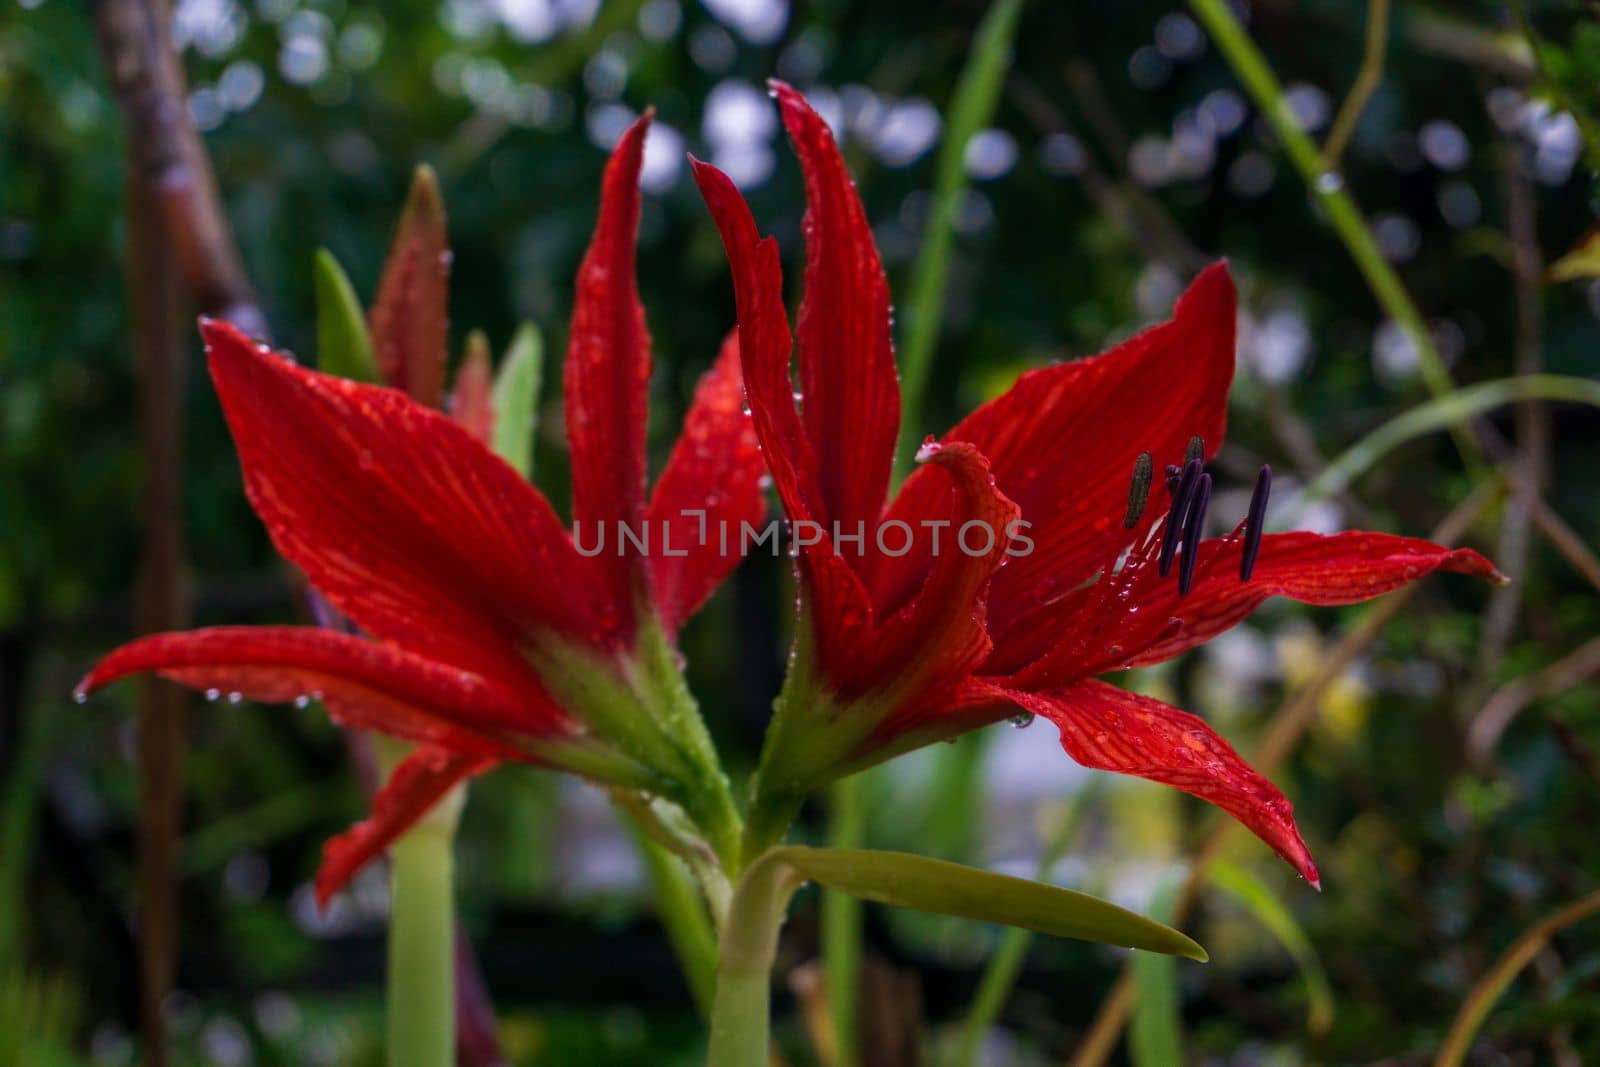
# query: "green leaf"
971,109
344,348
516,399
1260,901
1156,1029
943,888
1582,262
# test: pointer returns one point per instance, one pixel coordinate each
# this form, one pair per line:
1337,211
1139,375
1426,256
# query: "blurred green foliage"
1122,156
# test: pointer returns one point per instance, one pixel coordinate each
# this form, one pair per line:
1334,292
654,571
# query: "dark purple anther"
1177,514
1139,491
1193,530
1174,472
1255,523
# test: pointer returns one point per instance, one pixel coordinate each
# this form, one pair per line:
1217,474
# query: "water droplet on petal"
1021,722
213,694
235,697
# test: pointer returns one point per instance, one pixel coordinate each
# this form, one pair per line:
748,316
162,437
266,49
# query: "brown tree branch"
147,78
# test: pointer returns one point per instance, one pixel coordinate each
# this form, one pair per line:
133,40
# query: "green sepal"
516,399
344,347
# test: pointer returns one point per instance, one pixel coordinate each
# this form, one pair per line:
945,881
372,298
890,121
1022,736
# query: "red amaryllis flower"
493,637
1062,578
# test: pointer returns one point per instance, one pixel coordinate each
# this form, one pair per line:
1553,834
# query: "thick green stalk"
421,984
741,1010
420,997
842,921
684,918
1328,189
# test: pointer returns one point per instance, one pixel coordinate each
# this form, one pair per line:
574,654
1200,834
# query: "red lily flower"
901,649
494,637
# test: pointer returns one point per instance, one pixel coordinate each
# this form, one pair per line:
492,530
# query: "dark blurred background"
1123,155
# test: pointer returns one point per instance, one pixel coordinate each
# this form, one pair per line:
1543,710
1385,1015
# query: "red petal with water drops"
364,684
935,639
850,390
420,781
710,486
472,399
410,319
1063,441
1111,729
837,600
1327,570
608,372
405,522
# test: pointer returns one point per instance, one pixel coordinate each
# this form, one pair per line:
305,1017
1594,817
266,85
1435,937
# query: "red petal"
608,371
840,610
847,373
417,784
410,318
1344,568
1063,441
472,401
715,469
411,527
938,637
365,685
1111,729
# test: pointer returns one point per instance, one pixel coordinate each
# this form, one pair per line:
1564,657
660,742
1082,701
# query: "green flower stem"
741,1010
684,918
842,921
1328,189
420,996
421,984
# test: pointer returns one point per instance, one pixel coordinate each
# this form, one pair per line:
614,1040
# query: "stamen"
1193,528
1255,523
1139,491
1197,449
1177,514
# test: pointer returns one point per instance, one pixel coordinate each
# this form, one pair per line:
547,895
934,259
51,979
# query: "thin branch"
1289,724
1532,430
1481,1000
1567,542
1368,78
147,79
1508,702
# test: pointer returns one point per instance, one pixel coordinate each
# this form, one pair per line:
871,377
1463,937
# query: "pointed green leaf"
344,348
1262,903
944,888
516,399
1155,1031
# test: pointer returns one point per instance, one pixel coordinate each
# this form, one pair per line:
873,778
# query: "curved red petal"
420,781
1111,729
472,399
1063,441
840,610
407,524
1325,570
365,685
848,380
709,487
410,319
608,371
938,636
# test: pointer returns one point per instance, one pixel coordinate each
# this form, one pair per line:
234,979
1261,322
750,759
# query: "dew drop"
235,697
80,696
1021,722
213,694
303,700
1330,181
